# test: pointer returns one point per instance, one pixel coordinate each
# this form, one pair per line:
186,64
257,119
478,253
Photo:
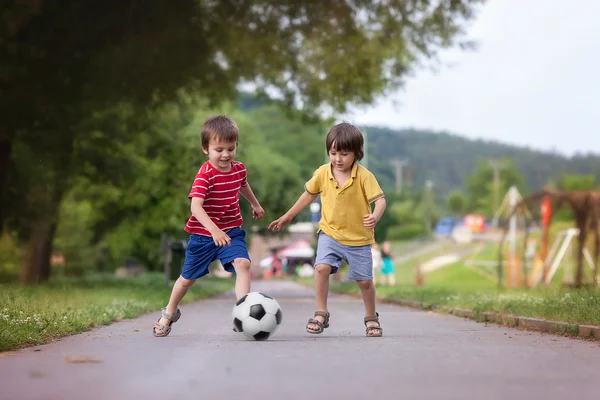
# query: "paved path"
421,356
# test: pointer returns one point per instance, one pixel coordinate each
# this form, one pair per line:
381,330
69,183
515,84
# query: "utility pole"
496,166
428,204
399,164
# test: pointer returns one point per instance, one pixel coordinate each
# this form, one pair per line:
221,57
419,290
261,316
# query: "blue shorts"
359,258
202,250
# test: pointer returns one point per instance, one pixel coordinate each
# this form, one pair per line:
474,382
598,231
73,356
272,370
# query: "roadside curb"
590,332
514,321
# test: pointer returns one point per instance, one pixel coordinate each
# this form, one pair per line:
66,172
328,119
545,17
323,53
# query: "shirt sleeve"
313,186
244,175
371,188
201,186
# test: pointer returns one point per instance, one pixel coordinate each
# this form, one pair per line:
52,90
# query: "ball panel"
268,323
278,316
271,306
254,298
251,327
266,295
242,311
257,311
261,336
241,300
238,325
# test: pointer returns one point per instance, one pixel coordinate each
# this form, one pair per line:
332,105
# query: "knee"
186,283
241,265
323,269
365,285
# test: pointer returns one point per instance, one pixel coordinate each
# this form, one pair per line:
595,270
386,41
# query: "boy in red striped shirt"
215,224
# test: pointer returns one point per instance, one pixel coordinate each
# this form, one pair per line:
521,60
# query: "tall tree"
456,202
63,60
481,190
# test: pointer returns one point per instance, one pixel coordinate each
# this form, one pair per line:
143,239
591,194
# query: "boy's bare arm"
304,200
380,206
220,238
257,210
248,194
370,220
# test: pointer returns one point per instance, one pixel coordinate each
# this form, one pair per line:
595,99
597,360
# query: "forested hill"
448,159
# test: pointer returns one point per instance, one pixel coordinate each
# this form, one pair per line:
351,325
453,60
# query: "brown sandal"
378,329
321,325
166,329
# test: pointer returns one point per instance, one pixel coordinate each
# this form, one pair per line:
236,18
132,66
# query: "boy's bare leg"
242,277
367,289
322,272
180,288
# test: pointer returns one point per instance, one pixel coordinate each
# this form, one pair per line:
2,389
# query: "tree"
573,183
113,52
456,202
480,186
131,211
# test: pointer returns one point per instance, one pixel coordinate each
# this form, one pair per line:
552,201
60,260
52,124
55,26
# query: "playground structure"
543,265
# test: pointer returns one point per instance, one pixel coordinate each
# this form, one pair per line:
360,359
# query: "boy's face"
220,154
341,160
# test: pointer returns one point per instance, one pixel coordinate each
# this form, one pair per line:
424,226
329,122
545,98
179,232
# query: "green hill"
448,159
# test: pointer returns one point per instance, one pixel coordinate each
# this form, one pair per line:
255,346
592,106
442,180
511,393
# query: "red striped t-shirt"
221,194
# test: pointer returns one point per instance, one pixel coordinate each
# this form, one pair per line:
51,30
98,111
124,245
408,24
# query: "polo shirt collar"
354,170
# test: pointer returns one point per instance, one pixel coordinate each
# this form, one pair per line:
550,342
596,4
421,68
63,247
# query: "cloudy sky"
534,80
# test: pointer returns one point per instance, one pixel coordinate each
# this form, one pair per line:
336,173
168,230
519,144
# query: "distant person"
215,224
377,261
346,232
388,273
276,265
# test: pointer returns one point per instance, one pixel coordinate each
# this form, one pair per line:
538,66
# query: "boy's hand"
369,221
257,212
279,223
221,238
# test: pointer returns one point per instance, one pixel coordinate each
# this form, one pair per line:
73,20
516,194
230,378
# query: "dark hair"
219,127
346,136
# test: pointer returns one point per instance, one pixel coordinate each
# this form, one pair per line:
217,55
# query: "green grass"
39,314
459,287
476,288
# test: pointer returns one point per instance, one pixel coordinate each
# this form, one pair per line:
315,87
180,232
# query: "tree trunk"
596,253
36,250
5,148
581,222
46,254
36,267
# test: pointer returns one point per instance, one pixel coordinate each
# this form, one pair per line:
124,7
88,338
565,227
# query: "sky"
533,81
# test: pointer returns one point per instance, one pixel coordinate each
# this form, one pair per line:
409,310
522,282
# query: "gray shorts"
359,258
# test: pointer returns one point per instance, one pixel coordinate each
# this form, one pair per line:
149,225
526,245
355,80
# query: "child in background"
388,273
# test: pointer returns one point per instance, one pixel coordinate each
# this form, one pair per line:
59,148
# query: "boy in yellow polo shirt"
346,229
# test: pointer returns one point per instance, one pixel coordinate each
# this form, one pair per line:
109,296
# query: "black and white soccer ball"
256,315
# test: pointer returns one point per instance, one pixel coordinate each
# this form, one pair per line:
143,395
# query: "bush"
407,231
9,259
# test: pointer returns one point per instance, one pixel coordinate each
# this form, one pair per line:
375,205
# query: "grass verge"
459,287
39,314
466,287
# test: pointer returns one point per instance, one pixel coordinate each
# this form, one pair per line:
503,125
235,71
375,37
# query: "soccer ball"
256,315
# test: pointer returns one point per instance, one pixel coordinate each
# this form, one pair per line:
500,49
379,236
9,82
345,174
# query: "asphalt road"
421,356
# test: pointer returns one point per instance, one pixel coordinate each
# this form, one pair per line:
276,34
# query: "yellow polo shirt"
342,208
